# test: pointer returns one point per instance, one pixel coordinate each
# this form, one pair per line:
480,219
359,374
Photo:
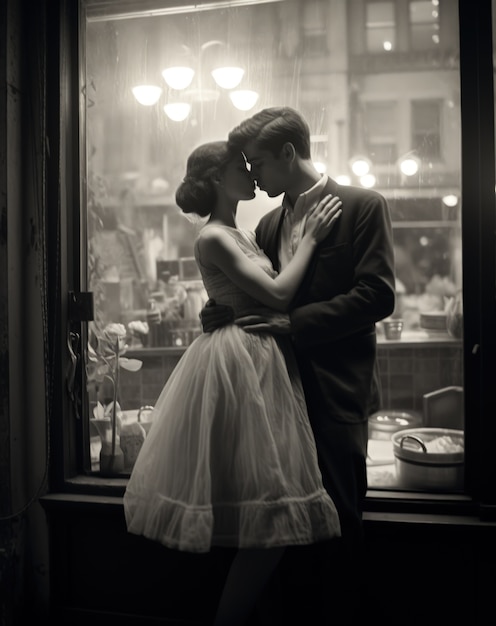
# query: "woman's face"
237,183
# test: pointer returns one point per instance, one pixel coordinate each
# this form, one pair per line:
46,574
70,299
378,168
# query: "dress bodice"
220,287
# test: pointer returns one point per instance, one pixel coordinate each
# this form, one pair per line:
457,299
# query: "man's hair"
271,128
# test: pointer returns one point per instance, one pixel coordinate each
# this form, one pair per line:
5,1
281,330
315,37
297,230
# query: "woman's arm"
218,248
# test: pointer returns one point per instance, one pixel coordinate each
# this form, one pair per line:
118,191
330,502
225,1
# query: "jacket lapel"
269,236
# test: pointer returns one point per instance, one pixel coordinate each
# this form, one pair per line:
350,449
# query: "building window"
379,131
426,128
380,26
424,24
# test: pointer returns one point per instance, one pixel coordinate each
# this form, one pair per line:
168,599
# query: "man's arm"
265,321
370,297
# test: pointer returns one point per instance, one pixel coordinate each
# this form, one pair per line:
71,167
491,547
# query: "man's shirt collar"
305,200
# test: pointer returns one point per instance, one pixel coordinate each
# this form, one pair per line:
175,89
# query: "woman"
230,459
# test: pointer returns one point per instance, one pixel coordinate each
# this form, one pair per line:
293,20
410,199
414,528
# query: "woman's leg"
248,575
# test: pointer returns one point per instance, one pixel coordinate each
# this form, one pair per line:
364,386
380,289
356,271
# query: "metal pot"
418,467
383,424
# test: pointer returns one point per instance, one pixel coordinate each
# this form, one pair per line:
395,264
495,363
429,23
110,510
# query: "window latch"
81,306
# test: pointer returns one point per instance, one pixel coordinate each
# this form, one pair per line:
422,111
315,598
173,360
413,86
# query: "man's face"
271,173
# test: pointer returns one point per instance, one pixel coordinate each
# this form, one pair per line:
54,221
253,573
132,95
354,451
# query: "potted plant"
106,348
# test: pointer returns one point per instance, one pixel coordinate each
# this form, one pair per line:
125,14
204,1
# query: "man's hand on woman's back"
214,316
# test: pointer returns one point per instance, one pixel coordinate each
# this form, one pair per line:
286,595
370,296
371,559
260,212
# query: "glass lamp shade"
244,99
147,95
178,77
228,77
177,111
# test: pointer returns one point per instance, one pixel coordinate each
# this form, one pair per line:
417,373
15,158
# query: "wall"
23,442
424,571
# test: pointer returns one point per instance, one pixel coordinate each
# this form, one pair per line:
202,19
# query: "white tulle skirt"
230,459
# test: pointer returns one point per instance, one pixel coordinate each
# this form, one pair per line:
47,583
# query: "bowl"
383,424
429,459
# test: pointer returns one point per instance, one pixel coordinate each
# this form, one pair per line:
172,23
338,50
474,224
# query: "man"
348,288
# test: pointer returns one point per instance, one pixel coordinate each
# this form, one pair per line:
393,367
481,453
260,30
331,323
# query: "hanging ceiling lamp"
177,111
178,77
244,99
228,77
147,95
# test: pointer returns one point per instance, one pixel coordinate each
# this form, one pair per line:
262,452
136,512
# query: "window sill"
380,504
441,511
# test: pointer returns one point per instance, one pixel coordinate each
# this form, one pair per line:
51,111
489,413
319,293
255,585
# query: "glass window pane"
400,119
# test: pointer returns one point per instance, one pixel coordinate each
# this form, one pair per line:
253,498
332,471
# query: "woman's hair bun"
196,193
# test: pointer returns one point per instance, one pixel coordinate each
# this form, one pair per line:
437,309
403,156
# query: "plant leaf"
132,365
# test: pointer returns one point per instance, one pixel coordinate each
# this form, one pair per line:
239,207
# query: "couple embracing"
259,436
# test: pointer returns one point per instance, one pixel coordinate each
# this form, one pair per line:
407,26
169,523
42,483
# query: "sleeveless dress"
230,458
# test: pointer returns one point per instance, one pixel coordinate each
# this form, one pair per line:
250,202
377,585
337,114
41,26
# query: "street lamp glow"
450,200
368,181
409,166
360,166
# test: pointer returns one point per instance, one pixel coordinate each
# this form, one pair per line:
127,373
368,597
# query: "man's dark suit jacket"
348,287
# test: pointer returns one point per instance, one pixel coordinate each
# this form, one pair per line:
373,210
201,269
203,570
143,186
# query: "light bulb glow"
343,179
177,111
244,99
450,200
368,181
228,77
320,167
409,166
178,77
147,95
360,166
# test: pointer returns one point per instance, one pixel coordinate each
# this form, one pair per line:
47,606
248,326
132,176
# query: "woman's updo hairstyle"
197,193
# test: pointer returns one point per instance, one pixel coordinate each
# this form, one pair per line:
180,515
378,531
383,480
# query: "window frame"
66,128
